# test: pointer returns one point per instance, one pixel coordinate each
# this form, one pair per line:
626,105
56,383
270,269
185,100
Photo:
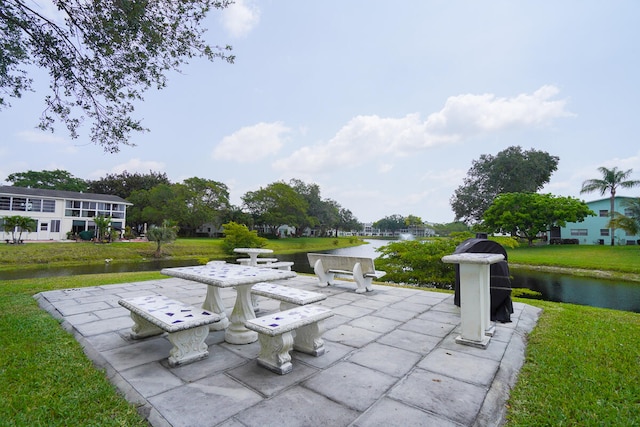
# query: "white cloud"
365,138
252,143
40,137
240,18
131,166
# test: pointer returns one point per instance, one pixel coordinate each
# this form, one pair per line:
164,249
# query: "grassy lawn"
34,255
581,368
618,261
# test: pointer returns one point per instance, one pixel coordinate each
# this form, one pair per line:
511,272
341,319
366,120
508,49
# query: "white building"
58,212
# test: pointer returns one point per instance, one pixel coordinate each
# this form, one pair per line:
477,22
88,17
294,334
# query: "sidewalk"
391,359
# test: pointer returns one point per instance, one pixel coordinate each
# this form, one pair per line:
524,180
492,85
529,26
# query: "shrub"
239,236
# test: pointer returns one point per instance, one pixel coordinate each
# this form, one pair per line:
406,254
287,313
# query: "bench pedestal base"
274,352
188,344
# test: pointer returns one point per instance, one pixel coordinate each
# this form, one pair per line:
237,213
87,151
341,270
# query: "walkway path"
391,360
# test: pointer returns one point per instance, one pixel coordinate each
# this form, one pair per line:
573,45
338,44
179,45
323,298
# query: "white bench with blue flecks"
288,296
276,334
187,326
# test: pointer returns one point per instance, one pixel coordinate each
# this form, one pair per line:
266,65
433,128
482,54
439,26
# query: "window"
55,225
579,232
34,205
44,226
72,208
5,203
19,204
604,212
628,212
604,231
48,205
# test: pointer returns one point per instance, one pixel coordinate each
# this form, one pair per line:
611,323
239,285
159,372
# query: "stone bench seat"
260,261
299,328
362,269
187,326
288,296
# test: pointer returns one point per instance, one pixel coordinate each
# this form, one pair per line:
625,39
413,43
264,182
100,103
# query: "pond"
615,294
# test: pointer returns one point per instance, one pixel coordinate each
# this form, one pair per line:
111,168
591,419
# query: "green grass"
34,255
582,368
615,259
46,378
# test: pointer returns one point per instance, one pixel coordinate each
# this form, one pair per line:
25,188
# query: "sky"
384,105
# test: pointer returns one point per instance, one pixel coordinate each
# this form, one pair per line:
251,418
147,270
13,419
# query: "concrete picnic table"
253,253
219,274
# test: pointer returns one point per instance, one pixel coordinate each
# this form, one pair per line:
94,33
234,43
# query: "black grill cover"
500,283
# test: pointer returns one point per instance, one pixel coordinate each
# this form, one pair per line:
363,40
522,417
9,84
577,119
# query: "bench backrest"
339,262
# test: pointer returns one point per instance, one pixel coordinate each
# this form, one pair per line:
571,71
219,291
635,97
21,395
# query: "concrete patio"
391,359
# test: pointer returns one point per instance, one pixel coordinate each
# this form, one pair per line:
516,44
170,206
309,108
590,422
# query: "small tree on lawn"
165,234
239,236
102,225
19,223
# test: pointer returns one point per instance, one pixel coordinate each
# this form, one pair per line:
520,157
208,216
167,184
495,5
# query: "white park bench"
288,296
362,269
299,328
187,326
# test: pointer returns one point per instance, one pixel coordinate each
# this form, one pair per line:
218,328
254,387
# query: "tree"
239,236
510,171
629,222
49,180
347,221
101,56
391,223
205,201
18,223
276,205
525,215
611,180
164,234
102,225
125,183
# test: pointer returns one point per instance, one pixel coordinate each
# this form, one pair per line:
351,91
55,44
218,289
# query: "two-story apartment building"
593,230
58,212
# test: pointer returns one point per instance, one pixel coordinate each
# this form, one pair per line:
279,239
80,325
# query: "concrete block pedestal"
475,298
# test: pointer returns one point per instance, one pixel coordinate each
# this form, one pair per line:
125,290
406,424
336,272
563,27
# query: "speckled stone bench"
276,334
288,296
187,326
362,269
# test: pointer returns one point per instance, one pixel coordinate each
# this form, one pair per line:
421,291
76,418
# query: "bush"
239,236
419,263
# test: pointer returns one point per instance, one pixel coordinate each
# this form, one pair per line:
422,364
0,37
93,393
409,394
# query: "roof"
61,194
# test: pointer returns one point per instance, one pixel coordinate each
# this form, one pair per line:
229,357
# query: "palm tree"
20,223
165,234
611,180
630,222
102,225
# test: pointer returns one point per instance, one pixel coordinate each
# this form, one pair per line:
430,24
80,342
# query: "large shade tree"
275,205
510,171
49,180
124,183
101,56
526,215
611,180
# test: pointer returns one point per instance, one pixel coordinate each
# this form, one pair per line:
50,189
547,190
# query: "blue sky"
383,105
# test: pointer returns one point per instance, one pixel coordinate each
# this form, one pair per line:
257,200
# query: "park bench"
362,269
299,328
288,296
187,326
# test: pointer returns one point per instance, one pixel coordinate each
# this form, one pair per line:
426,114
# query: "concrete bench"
298,328
187,326
259,261
362,269
288,296
280,265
